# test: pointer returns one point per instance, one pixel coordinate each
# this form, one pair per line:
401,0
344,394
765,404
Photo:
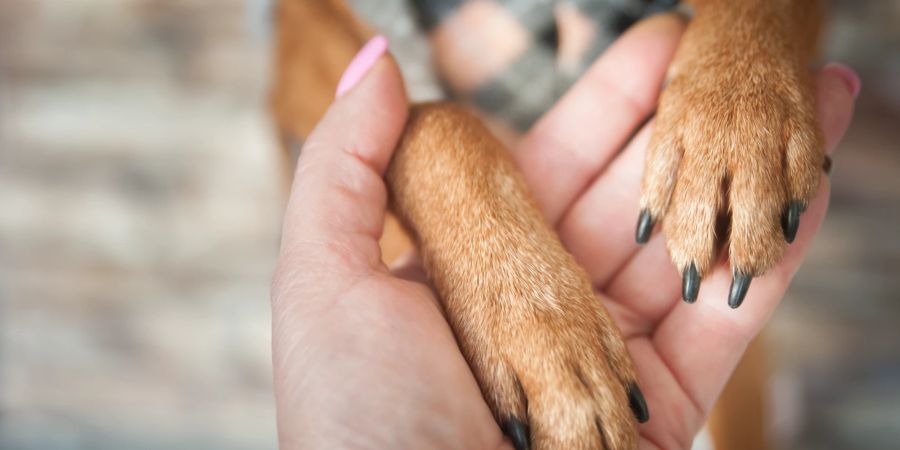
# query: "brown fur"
735,132
523,311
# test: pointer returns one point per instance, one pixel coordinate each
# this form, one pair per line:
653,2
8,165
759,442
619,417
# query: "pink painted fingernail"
848,75
362,62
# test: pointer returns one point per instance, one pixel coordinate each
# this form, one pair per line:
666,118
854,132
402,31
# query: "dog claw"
690,284
826,166
740,284
517,431
637,403
644,227
790,221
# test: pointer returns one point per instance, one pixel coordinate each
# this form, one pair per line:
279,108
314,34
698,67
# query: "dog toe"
690,222
658,182
762,220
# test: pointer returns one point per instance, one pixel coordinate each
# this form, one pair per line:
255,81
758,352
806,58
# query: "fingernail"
644,227
850,77
517,432
637,403
740,284
790,221
690,284
362,62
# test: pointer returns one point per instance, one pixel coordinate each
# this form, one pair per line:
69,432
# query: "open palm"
363,356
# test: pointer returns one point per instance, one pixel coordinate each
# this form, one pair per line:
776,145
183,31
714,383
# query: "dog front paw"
736,155
549,360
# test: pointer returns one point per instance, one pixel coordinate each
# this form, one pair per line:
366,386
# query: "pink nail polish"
362,62
848,75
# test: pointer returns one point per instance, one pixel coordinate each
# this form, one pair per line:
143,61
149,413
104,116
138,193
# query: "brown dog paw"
550,361
736,155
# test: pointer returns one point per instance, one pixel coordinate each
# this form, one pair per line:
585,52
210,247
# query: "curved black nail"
827,165
637,403
740,284
790,221
644,227
517,431
690,284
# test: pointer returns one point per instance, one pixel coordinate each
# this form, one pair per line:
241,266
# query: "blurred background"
140,199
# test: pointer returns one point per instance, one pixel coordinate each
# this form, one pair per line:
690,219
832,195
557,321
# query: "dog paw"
736,156
549,360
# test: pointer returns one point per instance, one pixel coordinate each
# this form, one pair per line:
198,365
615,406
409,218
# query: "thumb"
338,198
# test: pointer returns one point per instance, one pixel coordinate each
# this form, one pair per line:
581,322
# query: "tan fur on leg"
523,311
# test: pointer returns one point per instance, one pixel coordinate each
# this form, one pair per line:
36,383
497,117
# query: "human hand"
363,357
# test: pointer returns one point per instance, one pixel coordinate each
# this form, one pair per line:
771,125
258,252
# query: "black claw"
690,284
790,221
827,165
740,284
644,227
517,431
638,404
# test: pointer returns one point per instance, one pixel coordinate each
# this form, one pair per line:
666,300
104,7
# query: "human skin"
363,357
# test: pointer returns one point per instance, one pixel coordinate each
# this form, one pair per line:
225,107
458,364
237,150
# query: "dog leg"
315,40
736,138
550,362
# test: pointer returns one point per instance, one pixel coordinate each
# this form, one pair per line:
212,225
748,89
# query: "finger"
575,139
676,419
337,203
605,205
703,343
645,289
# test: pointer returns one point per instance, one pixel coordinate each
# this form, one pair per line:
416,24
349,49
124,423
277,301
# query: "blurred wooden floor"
140,209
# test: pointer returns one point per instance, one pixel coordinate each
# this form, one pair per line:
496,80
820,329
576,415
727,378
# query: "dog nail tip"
740,284
517,431
638,403
690,284
790,222
827,165
644,227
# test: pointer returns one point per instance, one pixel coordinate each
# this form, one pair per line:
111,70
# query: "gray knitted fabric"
529,85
